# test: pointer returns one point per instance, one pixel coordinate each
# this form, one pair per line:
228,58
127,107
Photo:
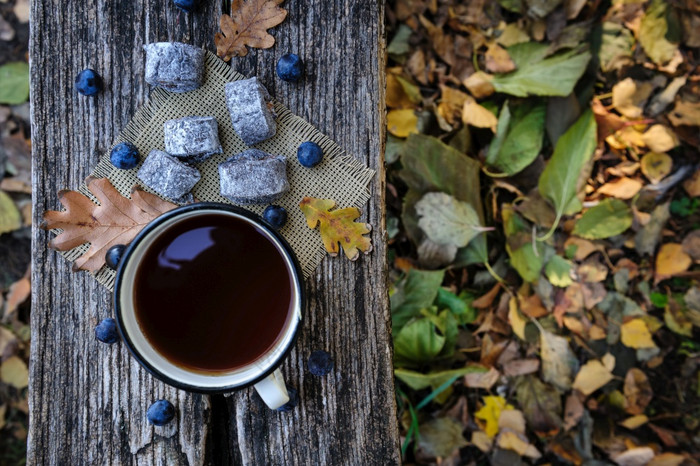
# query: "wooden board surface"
88,400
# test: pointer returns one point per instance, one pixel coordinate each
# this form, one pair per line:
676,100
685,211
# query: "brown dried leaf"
685,113
671,260
475,115
692,184
18,293
660,138
621,188
637,391
338,226
629,97
498,60
248,25
656,165
116,220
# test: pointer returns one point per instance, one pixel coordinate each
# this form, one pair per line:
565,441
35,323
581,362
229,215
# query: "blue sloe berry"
124,156
290,67
106,331
114,255
161,412
275,215
309,154
293,400
88,82
186,5
320,363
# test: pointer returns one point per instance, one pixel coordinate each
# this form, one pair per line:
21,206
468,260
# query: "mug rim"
153,224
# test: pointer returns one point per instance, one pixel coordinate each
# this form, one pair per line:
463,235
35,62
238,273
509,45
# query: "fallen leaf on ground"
581,248
621,188
485,301
10,218
521,367
337,226
558,360
498,60
667,459
635,334
685,113
656,166
116,220
517,443
573,411
591,377
671,260
691,245
638,456
634,422
609,218
484,380
608,123
629,97
516,320
653,33
490,412
248,25
446,220
402,122
475,115
13,371
18,293
479,84
540,403
692,184
660,138
451,104
637,391
440,437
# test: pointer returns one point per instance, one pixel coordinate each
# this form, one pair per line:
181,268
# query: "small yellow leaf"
337,226
475,115
636,334
608,361
660,138
395,95
656,166
479,84
402,122
591,377
482,441
621,188
490,412
516,319
517,443
629,97
512,419
451,103
671,260
634,421
14,372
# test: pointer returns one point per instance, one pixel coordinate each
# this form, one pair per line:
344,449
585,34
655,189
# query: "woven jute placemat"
339,177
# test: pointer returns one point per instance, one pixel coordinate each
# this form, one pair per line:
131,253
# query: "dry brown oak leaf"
337,226
116,220
248,25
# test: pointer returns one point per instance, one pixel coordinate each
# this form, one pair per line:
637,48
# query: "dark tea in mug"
212,293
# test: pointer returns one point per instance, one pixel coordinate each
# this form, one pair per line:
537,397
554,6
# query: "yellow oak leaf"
491,412
671,260
635,334
248,25
338,226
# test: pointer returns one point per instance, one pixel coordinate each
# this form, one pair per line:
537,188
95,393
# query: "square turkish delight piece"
192,139
253,177
168,176
174,66
248,104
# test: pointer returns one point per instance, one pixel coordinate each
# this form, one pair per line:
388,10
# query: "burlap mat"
339,177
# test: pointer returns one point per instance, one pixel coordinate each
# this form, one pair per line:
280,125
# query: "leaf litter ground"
568,333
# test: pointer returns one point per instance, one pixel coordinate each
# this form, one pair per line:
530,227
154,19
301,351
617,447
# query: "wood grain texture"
87,399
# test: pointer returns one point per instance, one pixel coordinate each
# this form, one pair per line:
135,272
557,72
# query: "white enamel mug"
262,373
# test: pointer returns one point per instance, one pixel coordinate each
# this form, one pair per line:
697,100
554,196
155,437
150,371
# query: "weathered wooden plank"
347,417
87,400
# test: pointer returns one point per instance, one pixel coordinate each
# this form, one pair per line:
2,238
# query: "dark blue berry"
320,363
88,82
293,400
106,331
275,215
309,154
290,67
124,156
161,412
186,5
114,255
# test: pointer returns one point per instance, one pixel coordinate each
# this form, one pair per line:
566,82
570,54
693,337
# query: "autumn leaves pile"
569,129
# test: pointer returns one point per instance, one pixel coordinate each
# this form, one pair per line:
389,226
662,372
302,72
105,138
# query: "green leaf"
394,148
518,138
566,172
538,74
399,44
419,381
519,246
445,220
616,46
10,218
557,271
418,341
415,292
14,83
430,165
446,323
654,32
460,305
516,6
609,218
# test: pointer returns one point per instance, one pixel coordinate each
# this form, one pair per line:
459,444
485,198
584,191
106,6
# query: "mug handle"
273,390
